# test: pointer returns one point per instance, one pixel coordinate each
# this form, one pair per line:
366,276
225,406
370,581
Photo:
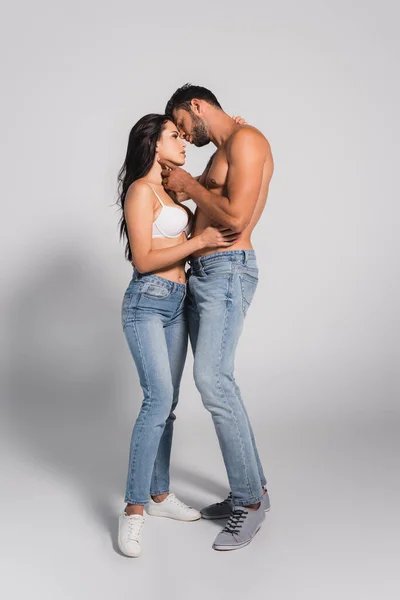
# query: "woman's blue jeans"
155,326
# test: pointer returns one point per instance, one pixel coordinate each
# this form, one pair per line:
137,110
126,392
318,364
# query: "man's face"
191,127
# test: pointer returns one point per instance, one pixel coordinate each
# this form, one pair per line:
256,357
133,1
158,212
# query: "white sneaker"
129,533
172,508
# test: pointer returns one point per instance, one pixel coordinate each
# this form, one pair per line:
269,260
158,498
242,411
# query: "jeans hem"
159,493
253,500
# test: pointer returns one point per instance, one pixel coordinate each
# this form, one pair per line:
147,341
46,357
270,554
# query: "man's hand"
174,178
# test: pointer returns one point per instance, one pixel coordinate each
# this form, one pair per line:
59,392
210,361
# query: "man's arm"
247,155
180,196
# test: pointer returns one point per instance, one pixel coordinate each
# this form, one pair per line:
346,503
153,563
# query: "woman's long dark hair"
138,162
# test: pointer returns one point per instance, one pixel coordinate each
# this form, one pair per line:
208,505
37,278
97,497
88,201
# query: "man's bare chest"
217,172
214,179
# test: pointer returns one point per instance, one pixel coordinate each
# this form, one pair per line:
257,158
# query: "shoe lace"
235,521
226,501
179,503
134,528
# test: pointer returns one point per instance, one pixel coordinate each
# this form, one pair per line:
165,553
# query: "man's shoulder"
245,136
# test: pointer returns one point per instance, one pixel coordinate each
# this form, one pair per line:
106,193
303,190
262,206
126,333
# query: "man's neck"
220,127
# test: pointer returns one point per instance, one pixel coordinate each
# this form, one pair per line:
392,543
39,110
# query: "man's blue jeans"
221,287
155,325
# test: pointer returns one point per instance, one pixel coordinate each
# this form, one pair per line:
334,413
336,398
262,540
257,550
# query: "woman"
153,316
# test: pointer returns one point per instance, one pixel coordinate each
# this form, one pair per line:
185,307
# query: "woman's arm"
139,220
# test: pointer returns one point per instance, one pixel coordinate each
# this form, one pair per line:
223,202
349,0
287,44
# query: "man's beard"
199,132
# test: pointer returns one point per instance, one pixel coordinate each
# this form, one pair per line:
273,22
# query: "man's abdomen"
202,221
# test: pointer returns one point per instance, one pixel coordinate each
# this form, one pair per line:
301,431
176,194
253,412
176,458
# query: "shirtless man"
231,193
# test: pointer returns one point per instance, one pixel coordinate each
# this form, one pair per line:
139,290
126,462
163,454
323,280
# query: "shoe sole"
211,518
125,554
227,515
168,516
238,546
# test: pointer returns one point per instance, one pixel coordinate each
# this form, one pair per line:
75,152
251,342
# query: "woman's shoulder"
139,185
139,189
139,198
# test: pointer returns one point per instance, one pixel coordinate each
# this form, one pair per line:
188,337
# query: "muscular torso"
214,178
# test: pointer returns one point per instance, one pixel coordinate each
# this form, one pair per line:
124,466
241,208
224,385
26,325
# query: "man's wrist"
190,187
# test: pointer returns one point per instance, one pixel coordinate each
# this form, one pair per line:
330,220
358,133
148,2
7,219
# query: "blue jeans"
221,287
155,326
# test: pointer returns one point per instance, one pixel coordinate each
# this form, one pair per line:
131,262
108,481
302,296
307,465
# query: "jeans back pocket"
248,283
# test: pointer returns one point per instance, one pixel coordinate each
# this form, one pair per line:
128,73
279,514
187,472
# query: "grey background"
318,361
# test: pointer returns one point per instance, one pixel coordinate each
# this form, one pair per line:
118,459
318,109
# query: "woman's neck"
154,175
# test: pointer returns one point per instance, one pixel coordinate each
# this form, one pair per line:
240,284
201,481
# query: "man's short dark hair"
185,94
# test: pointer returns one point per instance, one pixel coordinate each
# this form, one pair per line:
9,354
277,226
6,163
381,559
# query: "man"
231,193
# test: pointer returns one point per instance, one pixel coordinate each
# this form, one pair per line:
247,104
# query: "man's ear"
196,106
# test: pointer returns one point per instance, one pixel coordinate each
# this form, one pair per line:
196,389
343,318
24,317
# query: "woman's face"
170,146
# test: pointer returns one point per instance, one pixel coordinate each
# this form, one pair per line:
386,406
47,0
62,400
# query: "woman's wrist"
199,243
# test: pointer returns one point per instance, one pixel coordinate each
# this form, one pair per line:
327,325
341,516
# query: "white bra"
171,221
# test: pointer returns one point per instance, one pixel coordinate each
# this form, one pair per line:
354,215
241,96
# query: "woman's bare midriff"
175,272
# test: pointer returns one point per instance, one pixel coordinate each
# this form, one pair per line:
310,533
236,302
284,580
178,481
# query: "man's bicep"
245,174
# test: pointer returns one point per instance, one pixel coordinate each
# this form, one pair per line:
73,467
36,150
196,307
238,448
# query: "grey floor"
333,531
327,428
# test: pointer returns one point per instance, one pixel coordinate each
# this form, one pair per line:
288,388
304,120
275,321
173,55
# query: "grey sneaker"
222,510
242,526
265,501
219,510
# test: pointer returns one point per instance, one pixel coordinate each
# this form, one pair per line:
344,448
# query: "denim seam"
157,493
129,500
245,303
192,296
156,296
130,308
253,500
155,472
180,305
146,412
219,380
262,479
155,478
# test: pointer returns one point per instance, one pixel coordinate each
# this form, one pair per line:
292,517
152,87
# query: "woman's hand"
239,120
218,237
